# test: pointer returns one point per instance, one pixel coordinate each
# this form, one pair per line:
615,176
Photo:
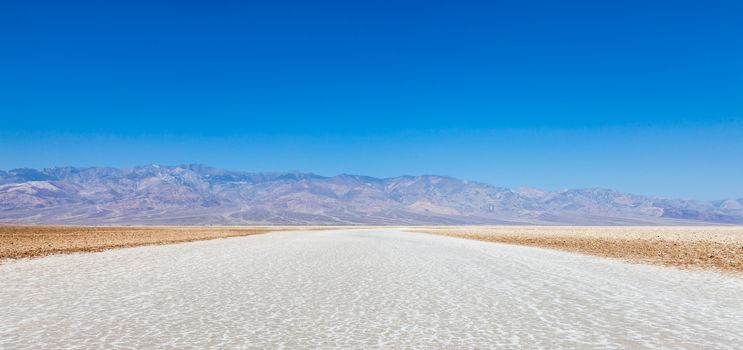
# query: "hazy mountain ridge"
198,194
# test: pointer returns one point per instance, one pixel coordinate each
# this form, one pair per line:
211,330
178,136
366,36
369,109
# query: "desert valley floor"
346,288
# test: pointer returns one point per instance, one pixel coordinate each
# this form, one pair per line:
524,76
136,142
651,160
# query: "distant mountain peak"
200,194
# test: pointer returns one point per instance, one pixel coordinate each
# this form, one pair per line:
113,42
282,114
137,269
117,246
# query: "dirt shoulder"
689,247
34,241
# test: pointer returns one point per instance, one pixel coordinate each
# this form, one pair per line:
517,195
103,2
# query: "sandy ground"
361,289
697,247
33,241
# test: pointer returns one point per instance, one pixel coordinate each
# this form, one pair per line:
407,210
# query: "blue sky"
638,96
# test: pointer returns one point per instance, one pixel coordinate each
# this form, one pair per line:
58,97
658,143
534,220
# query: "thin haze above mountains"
198,194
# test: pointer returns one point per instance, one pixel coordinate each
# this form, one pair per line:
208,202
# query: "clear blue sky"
638,96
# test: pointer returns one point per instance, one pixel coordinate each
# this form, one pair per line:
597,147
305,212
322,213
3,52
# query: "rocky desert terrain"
34,241
698,247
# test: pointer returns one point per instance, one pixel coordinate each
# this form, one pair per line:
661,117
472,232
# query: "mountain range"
201,195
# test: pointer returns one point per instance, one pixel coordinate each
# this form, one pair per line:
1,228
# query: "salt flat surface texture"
361,289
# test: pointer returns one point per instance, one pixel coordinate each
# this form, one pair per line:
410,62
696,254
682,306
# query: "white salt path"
361,289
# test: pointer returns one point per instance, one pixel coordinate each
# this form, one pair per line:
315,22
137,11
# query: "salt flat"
360,289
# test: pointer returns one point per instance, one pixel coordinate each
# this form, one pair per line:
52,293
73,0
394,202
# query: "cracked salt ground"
360,289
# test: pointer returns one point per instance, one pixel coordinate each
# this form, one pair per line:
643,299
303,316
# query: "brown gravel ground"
719,247
33,241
